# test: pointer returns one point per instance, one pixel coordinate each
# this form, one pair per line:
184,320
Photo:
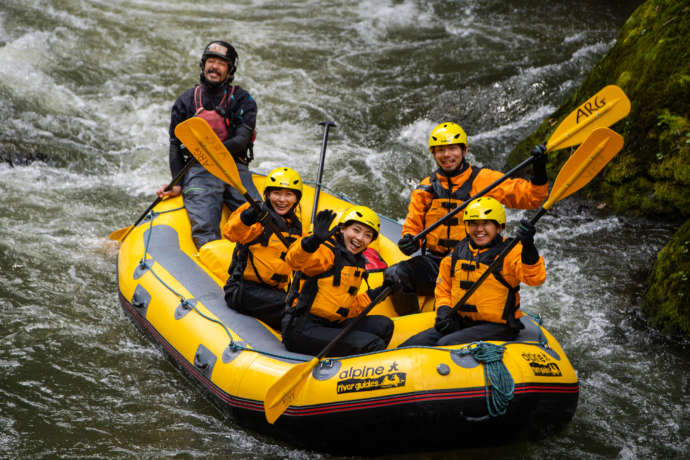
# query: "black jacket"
241,111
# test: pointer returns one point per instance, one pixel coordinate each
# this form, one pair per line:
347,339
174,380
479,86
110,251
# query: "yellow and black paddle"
590,158
282,393
203,143
603,109
596,151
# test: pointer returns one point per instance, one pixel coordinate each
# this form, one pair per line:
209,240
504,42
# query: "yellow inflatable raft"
389,401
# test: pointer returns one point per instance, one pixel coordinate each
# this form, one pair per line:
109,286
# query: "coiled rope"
498,383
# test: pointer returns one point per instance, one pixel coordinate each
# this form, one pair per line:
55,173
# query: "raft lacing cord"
495,374
187,304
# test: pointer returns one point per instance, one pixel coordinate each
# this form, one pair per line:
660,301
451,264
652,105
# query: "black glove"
375,292
254,214
446,319
539,165
391,280
322,231
408,245
525,233
322,225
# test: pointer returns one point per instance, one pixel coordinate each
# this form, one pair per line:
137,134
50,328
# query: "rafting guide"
231,112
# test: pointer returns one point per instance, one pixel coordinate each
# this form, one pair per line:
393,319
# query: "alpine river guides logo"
365,378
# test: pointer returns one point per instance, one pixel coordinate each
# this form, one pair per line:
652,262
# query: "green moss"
667,302
650,62
624,78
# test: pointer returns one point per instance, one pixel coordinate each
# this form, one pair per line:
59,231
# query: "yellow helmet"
447,133
486,208
363,215
284,178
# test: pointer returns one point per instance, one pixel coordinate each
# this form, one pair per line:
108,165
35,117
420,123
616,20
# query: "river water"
86,88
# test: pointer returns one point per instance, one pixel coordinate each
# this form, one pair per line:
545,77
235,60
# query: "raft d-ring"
326,369
184,307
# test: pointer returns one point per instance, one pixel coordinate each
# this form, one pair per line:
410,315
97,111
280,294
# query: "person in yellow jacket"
324,297
492,312
259,274
453,183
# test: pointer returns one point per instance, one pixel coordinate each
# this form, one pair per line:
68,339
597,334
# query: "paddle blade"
282,393
601,110
200,139
590,158
117,235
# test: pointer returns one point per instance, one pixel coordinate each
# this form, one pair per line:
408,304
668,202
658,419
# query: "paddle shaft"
284,392
176,180
344,331
483,192
317,190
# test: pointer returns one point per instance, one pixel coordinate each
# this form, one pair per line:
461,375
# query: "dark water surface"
85,91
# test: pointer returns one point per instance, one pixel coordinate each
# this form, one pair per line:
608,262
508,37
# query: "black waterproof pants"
310,334
416,277
204,195
474,333
258,300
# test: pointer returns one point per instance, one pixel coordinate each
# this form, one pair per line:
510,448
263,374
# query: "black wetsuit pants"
258,300
310,334
415,277
479,330
204,195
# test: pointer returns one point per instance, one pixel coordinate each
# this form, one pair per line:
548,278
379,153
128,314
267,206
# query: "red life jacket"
219,123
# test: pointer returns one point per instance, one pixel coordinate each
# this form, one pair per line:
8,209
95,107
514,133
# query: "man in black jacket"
231,112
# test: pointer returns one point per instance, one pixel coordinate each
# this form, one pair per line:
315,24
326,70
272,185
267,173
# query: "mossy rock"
651,175
667,302
650,63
